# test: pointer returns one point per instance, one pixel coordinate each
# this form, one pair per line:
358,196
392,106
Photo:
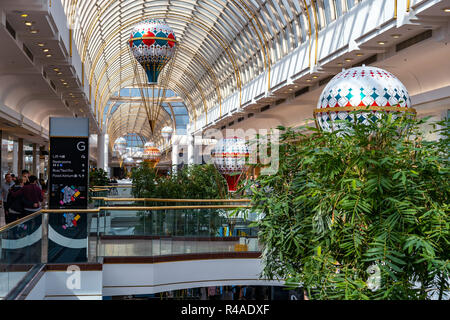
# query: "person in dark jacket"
32,196
14,209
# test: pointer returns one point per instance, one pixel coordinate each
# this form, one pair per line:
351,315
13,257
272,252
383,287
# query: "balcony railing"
123,228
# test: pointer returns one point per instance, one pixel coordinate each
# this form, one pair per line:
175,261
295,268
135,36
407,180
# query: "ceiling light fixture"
315,77
446,10
348,59
34,31
382,42
308,80
41,44
46,50
48,55
24,15
395,36
359,54
28,23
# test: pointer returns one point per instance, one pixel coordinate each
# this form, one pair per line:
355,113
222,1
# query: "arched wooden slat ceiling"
223,44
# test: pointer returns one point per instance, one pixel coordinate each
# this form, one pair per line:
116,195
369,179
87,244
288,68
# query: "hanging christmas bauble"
153,44
166,133
229,157
152,155
368,90
120,145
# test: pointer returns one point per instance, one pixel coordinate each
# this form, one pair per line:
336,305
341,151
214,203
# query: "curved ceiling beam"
187,19
127,82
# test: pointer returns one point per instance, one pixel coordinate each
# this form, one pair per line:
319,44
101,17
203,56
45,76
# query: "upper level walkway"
123,245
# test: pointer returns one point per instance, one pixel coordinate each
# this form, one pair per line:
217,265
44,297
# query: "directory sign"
68,190
69,172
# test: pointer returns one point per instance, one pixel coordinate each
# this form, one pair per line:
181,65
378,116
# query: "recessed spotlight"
34,31
59,73
359,54
48,55
24,15
348,59
41,44
46,50
56,69
446,10
395,36
382,42
315,77
28,23
339,64
308,80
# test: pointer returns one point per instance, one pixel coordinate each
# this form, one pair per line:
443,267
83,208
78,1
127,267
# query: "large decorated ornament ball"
151,155
128,161
153,44
120,145
229,157
166,133
369,91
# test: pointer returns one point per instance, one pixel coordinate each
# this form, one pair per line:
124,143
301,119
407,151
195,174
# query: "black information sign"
69,172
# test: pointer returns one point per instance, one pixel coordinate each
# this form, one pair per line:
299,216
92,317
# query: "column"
174,156
20,157
4,154
36,164
190,150
106,153
15,161
102,151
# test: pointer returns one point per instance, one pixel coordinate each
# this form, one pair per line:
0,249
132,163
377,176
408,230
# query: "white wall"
130,279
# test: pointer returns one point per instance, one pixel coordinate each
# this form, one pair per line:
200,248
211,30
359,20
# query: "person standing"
32,196
14,205
7,184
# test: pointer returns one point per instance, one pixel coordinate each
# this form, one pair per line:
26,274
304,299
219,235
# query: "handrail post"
44,240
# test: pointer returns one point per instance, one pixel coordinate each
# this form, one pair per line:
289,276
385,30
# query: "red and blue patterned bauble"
368,90
229,156
153,44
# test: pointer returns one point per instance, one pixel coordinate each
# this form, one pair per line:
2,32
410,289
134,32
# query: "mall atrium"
134,118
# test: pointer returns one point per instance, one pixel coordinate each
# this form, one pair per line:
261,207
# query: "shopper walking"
8,183
32,196
14,207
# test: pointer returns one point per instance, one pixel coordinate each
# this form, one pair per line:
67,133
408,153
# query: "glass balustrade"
177,230
147,227
20,249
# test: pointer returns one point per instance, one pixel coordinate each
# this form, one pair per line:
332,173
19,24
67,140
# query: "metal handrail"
116,186
169,200
97,210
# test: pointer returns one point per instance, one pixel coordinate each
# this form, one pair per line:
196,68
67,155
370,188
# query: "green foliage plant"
191,182
359,215
98,177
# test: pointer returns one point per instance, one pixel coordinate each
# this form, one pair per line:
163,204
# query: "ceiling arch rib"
177,87
182,59
234,40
